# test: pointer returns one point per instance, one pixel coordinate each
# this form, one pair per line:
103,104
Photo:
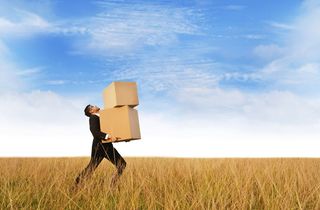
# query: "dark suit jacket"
95,128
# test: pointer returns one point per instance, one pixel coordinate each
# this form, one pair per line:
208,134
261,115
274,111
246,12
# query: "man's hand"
112,138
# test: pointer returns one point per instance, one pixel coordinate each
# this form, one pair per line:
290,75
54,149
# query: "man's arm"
95,128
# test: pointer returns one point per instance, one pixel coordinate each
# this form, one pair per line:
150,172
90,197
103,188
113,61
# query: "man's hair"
87,110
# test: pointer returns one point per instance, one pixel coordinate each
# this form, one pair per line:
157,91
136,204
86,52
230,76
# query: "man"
100,150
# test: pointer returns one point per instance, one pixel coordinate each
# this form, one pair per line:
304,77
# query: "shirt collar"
97,114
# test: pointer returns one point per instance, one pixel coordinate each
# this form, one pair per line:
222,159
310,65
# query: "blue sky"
244,69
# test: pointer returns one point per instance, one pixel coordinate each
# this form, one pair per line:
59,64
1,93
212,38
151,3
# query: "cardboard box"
120,94
120,122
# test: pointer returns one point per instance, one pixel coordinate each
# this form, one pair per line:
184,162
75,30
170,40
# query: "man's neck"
96,113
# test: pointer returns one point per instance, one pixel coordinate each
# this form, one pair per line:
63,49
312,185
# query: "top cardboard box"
120,94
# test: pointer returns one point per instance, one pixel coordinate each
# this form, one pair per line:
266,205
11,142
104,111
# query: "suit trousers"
98,152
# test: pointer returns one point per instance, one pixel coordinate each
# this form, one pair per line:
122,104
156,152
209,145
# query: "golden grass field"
162,183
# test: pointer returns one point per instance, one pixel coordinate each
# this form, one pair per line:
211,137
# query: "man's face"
94,109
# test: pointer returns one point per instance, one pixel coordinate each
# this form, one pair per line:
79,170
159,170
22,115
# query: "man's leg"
116,159
97,156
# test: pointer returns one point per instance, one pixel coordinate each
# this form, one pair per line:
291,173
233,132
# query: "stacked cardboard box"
119,117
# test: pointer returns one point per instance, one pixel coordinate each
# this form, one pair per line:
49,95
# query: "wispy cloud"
13,77
282,108
234,7
124,27
43,114
283,26
296,68
3,49
9,81
57,82
29,72
270,51
169,74
26,23
254,36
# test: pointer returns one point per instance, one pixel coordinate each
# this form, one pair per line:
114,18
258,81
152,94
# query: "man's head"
90,109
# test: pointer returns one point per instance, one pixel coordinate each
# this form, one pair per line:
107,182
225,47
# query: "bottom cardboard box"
118,140
121,122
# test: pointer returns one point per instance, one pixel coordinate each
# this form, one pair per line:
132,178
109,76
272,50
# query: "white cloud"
12,7
57,82
281,108
29,72
296,65
306,38
208,121
3,49
154,75
282,26
309,68
39,123
26,23
225,123
291,73
310,4
42,123
12,77
225,135
234,7
254,36
158,73
9,81
122,28
271,51
38,106
46,124
204,98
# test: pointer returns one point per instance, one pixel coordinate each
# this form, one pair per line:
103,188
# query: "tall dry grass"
162,183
